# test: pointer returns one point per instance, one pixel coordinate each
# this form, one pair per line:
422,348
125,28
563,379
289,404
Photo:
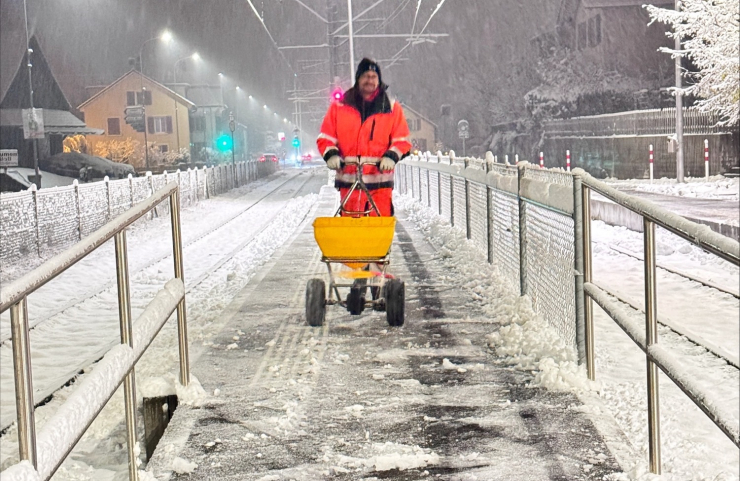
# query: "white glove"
386,164
334,162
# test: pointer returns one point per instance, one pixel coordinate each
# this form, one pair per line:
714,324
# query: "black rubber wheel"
395,298
356,300
315,302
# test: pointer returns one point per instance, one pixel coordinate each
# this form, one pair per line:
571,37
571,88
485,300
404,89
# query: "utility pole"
34,144
352,42
679,109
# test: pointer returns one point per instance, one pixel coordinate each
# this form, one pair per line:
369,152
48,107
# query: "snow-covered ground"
693,448
47,178
716,187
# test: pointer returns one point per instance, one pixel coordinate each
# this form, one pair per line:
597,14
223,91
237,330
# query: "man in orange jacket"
365,128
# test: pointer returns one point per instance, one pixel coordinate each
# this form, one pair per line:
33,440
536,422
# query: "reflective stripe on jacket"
384,131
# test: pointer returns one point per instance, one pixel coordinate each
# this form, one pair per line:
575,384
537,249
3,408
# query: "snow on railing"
513,231
41,456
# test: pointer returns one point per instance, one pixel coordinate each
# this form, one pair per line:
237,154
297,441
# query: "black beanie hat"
365,65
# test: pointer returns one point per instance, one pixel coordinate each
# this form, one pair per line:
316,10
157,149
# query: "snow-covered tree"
709,31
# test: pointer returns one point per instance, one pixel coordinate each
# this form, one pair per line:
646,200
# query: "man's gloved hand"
386,163
334,162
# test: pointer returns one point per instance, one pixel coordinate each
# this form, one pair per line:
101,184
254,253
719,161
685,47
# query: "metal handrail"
656,356
587,291
702,236
118,365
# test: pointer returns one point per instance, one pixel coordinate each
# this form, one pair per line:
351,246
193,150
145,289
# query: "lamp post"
193,56
166,36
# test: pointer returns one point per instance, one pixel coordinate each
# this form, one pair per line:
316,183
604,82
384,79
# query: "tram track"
671,325
47,394
5,338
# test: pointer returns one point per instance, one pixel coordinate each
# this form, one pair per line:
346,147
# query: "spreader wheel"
315,302
395,298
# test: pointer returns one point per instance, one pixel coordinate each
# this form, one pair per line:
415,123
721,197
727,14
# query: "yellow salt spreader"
356,251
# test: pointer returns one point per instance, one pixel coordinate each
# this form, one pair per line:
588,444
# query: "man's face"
368,83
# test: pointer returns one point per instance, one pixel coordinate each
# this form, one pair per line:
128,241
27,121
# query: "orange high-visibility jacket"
364,131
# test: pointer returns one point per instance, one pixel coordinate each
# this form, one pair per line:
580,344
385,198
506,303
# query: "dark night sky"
89,42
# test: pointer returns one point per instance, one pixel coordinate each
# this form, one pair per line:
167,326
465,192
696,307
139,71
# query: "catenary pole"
30,99
351,43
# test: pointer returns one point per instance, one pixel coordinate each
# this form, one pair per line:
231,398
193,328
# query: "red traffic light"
337,94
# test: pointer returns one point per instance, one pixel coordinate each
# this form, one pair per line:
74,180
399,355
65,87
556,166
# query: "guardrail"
657,357
40,458
544,211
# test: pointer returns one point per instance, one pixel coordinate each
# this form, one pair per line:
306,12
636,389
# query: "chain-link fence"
50,218
517,217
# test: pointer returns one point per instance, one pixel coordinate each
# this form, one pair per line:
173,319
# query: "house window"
594,31
164,148
159,125
135,98
414,124
114,126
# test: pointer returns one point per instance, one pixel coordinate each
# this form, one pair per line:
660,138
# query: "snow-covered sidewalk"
357,400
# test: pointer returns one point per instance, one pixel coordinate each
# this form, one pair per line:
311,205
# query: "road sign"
33,123
134,116
8,158
463,129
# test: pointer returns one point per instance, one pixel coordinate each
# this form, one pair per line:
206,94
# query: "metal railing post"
522,233
578,266
452,199
467,204
182,325
35,196
23,382
420,197
429,189
76,185
489,223
588,306
126,325
651,337
107,196
439,193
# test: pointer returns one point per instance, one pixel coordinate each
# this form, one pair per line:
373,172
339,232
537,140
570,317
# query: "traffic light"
296,142
337,94
224,143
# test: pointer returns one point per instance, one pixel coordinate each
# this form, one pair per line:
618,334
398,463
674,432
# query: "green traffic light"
296,142
224,143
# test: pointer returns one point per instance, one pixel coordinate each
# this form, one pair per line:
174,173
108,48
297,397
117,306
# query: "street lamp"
194,57
166,36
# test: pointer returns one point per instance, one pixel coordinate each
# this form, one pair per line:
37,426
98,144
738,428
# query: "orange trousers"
358,201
